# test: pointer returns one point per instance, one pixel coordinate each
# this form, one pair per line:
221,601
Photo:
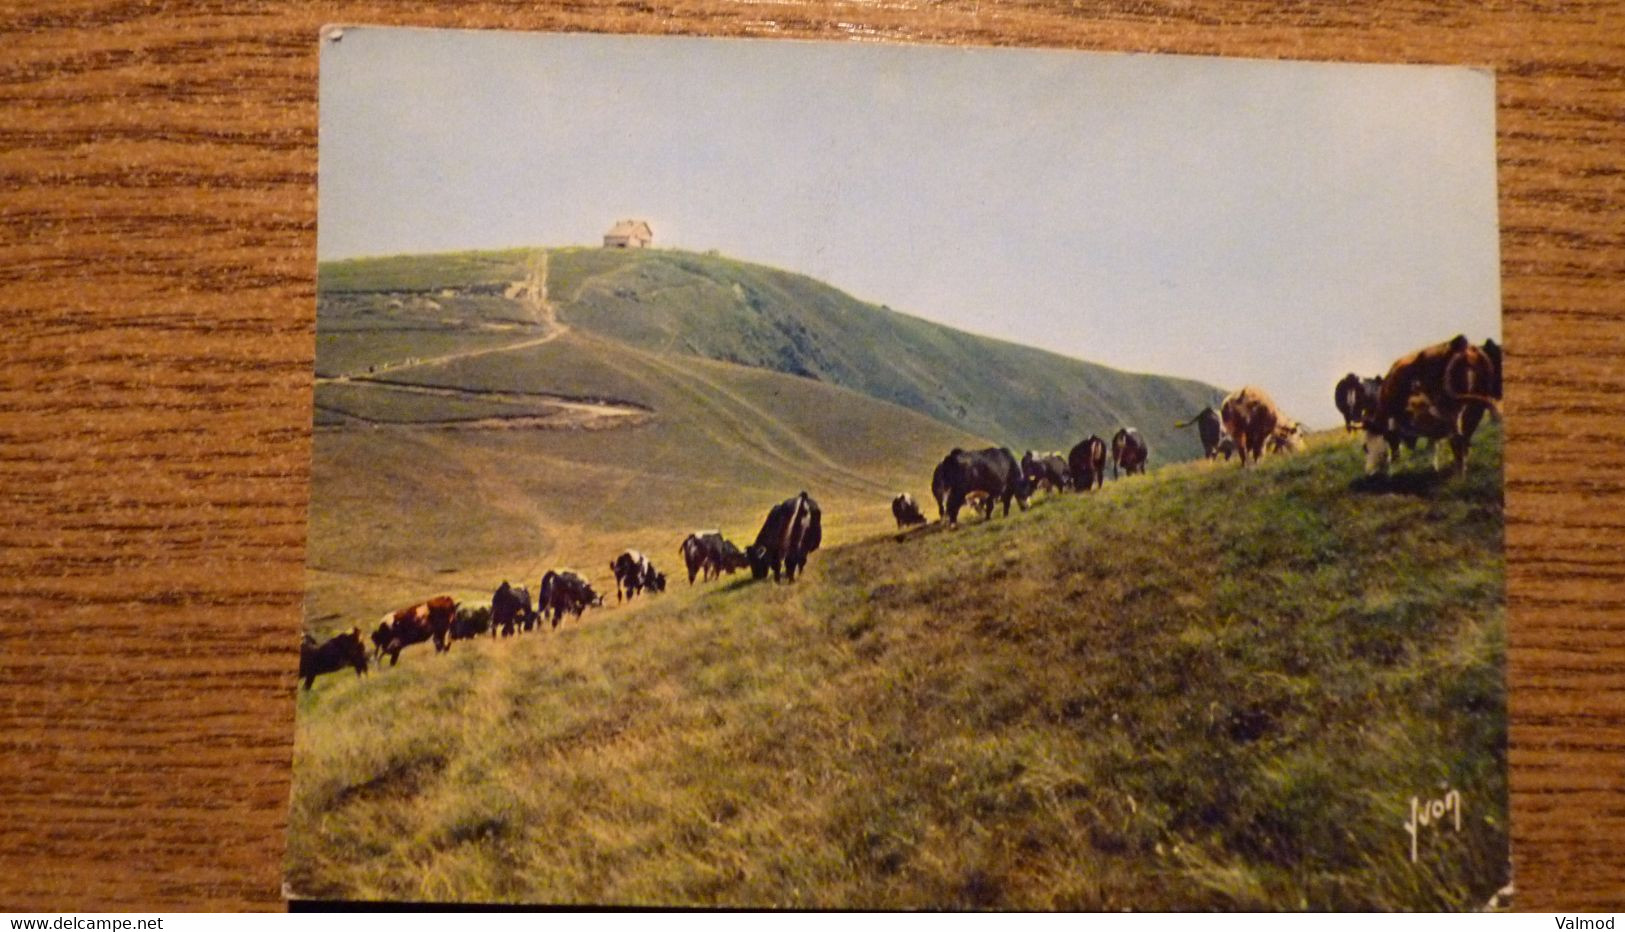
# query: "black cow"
1208,429
510,608
695,550
563,591
344,650
906,511
1356,399
470,624
653,579
529,618
1129,452
634,573
792,531
1087,462
708,555
993,472
1046,470
730,560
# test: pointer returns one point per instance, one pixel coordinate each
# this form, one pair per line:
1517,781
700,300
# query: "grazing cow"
1252,419
1356,398
906,511
1048,470
1129,452
981,503
993,472
510,608
634,573
727,559
793,530
564,591
695,549
1225,448
529,619
653,579
708,555
1287,438
344,650
425,621
1440,392
470,624
1088,463
1208,429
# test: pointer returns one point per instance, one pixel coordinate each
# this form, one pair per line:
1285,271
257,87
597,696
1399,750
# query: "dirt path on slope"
530,292
560,412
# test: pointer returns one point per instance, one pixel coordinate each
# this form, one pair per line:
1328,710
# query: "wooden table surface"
157,265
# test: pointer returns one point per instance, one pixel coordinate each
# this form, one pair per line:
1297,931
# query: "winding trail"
560,412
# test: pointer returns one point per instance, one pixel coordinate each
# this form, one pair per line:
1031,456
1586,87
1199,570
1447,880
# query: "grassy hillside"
673,302
400,515
1206,688
471,465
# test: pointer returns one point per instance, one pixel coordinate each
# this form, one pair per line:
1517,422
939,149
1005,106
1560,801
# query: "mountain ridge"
714,307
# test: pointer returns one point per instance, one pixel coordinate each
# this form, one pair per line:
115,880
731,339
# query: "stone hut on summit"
629,234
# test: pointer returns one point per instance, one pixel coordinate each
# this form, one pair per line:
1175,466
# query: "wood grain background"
157,263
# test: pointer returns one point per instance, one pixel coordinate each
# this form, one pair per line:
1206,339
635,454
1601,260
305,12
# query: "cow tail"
790,526
1450,370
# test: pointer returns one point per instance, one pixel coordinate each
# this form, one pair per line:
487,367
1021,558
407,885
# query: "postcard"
812,475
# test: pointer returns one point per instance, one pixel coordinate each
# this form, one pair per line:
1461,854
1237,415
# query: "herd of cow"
792,531
1440,392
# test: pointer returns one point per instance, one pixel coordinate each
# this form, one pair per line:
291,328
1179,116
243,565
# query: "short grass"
397,516
422,272
1206,688
720,308
353,352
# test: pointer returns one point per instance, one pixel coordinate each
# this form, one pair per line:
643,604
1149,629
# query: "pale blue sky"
1233,221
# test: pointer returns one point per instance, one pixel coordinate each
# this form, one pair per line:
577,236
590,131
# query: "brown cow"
1287,438
1251,419
1437,393
345,650
425,621
981,503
